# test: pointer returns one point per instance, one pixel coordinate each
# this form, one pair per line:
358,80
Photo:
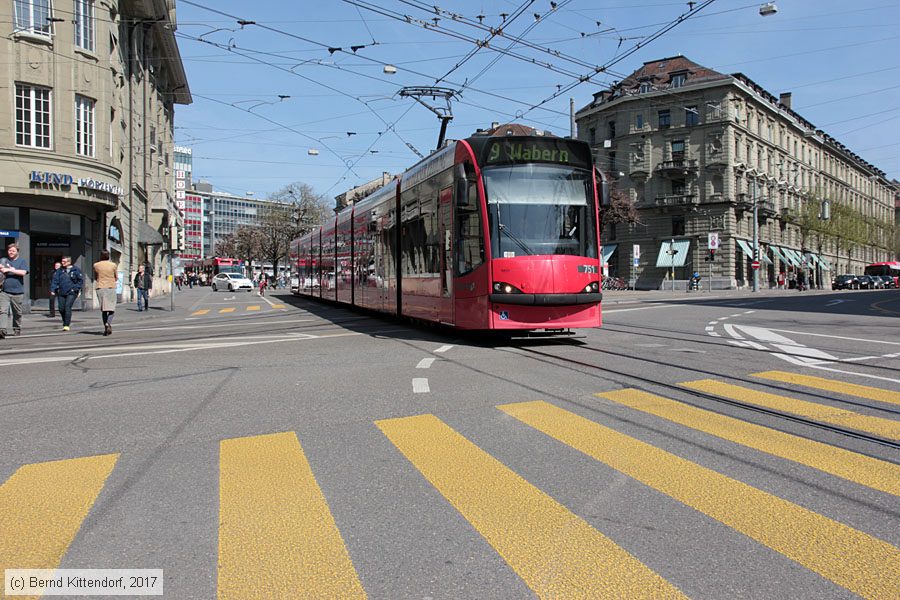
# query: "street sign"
754,265
636,251
637,261
713,241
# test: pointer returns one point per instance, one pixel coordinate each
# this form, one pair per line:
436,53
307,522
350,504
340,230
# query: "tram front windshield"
540,209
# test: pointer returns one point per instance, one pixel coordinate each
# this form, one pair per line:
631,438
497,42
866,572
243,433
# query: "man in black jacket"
143,283
66,284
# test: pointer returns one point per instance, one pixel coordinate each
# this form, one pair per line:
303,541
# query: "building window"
611,130
646,87
665,119
32,116
677,225
84,24
678,80
612,164
33,16
677,149
639,121
84,126
691,116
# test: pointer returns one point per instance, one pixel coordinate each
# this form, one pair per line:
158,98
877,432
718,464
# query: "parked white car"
231,282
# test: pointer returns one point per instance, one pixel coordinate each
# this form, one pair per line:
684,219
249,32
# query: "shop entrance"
45,250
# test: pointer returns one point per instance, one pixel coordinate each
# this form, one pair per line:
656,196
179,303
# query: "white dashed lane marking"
425,363
420,385
443,349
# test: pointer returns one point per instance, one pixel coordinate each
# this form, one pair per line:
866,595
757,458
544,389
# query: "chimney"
785,99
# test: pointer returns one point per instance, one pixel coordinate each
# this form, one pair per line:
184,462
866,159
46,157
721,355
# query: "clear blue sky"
840,59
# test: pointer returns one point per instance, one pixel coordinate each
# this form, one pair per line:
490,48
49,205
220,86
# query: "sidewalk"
640,296
39,321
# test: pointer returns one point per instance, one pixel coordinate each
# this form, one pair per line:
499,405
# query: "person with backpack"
66,284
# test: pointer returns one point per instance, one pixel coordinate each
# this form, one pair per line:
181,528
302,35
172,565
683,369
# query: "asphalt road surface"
718,446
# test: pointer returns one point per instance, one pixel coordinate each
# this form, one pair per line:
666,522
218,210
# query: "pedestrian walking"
801,281
105,276
262,286
12,290
67,283
56,266
781,280
143,283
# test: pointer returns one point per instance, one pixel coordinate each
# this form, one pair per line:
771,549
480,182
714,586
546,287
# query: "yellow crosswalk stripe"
812,410
277,537
42,506
226,310
253,307
833,385
555,552
200,312
278,306
870,472
861,563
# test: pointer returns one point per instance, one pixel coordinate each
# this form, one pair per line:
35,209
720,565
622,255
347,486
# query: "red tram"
489,232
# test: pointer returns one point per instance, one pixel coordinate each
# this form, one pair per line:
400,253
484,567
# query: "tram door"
445,216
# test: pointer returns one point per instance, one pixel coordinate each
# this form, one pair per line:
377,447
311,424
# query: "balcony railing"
676,200
681,166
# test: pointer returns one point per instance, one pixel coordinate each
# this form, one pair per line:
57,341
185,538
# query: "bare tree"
298,210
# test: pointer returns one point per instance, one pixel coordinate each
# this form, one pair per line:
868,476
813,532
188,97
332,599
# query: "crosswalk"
278,537
234,309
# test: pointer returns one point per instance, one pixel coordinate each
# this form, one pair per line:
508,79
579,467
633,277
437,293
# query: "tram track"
784,416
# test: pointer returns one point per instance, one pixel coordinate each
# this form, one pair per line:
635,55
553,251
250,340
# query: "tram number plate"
504,315
588,269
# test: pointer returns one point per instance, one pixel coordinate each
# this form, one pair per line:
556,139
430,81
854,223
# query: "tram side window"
469,241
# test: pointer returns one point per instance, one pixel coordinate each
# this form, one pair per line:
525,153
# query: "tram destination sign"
514,150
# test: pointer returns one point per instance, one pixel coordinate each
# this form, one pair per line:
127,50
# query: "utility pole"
672,252
572,118
755,236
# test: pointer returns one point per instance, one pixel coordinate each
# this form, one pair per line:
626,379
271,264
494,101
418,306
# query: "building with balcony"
697,151
86,134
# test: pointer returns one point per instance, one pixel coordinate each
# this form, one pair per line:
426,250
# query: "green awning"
607,251
792,255
777,252
673,253
749,251
826,266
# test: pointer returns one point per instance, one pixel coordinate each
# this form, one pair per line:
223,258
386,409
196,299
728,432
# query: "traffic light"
176,238
711,256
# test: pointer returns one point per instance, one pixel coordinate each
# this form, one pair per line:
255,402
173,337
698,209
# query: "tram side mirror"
603,187
462,185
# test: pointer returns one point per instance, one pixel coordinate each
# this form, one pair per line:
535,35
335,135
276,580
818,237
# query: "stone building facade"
86,134
697,150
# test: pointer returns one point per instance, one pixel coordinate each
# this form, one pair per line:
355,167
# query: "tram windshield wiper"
511,236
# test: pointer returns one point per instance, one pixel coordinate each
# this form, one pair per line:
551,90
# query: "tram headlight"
501,287
592,287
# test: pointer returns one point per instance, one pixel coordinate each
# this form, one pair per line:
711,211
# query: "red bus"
489,232
213,266
885,269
